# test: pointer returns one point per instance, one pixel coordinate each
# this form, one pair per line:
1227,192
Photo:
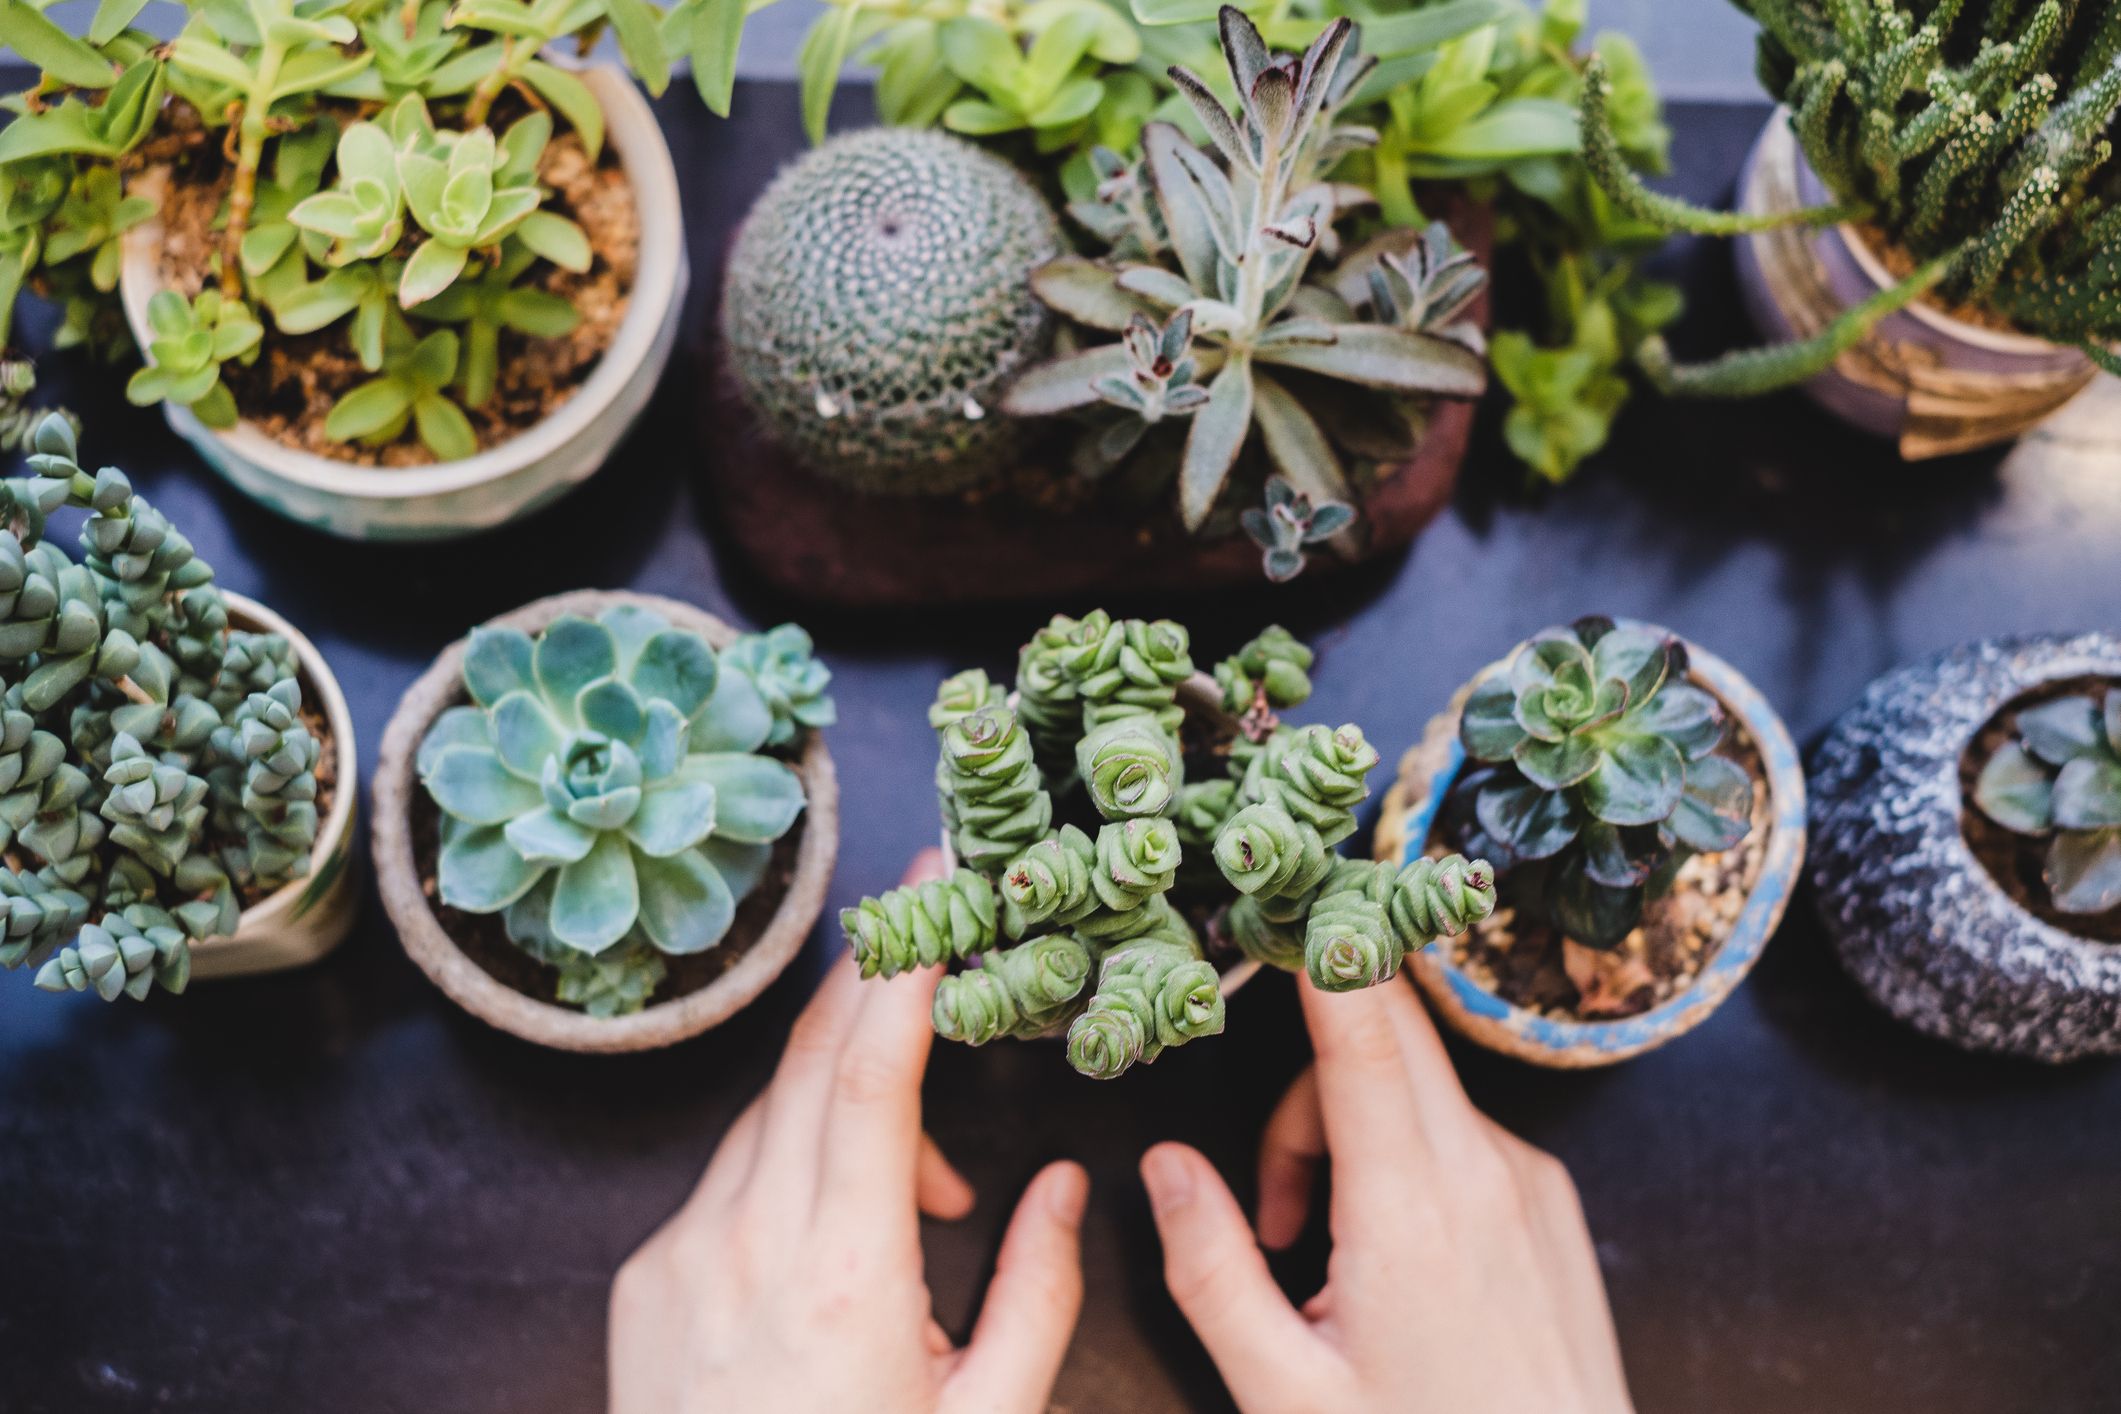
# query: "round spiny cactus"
877,302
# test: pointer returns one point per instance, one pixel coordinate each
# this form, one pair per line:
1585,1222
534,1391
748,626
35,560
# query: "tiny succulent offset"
156,771
610,790
368,179
1124,828
1599,773
2058,778
875,308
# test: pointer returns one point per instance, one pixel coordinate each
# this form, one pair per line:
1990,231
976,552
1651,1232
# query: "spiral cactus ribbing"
877,303
921,925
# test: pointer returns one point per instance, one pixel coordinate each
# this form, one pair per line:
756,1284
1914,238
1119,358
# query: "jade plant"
1969,139
611,790
369,176
2058,778
157,771
1599,774
1245,221
875,307
1123,828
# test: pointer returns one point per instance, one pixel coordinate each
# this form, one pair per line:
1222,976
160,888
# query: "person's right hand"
1462,1277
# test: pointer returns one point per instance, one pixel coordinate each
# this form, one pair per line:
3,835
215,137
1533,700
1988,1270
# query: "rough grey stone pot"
1917,919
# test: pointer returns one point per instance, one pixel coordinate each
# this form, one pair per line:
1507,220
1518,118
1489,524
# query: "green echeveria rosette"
1265,852
1130,767
1606,767
1022,991
920,925
2059,777
876,307
605,786
997,796
780,663
1050,883
612,983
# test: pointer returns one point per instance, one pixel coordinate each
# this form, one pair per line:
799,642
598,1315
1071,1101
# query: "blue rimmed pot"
1409,820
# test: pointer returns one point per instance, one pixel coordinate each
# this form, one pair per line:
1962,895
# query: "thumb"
1219,1278
1031,1306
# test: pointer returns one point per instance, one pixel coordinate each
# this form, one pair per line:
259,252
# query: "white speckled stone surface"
1917,919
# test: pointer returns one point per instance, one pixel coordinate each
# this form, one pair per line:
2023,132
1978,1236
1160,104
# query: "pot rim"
1813,192
282,902
633,133
548,1023
1576,1042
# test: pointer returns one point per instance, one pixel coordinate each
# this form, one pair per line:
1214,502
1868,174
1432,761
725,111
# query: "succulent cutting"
1124,828
2058,778
157,772
1600,773
373,191
1968,139
610,790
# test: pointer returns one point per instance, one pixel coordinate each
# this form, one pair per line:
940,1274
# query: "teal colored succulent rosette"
604,791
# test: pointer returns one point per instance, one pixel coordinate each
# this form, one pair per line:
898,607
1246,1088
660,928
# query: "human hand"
1462,1277
791,1280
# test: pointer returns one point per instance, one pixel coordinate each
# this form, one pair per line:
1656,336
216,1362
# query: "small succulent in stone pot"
2058,779
1125,828
609,790
1599,773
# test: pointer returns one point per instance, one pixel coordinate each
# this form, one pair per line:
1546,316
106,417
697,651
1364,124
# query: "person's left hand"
792,1279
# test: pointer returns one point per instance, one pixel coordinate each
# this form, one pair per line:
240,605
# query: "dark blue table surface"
332,1191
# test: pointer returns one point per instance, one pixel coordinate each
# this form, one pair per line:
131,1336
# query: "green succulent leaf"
473,786
2087,794
686,905
596,899
1533,823
571,654
2084,870
756,797
1488,728
479,871
674,816
2062,730
1638,781
1715,810
2016,790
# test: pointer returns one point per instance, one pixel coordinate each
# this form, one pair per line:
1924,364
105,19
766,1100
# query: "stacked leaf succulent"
875,307
609,790
1244,223
2058,778
156,770
367,192
1971,137
1601,773
1097,887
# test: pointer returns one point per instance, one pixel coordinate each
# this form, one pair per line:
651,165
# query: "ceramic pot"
1932,383
1918,920
1409,816
307,917
397,785
500,483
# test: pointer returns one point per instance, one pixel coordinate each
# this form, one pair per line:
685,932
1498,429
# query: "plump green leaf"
613,708
735,718
1638,780
596,899
546,837
572,653
2016,791
458,726
24,29
1488,727
756,797
444,429
434,266
480,872
1636,657
1534,823
686,904
2062,730
524,734
1685,715
674,815
473,786
741,863
572,98
498,661
2084,870
677,667
2088,794
556,238
1716,808
637,24
1557,765
1590,912
368,409
1619,858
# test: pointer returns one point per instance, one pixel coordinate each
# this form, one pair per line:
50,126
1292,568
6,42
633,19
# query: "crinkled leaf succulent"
2058,778
154,761
605,787
1607,767
1057,928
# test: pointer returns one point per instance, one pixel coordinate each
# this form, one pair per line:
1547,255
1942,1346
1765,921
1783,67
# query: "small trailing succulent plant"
1600,773
2058,778
1245,222
875,307
610,790
1289,525
156,771
1972,137
366,182
1101,877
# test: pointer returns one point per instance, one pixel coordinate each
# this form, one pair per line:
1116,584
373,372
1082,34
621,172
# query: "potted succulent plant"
1645,810
1132,840
1925,223
1966,815
395,271
178,762
605,821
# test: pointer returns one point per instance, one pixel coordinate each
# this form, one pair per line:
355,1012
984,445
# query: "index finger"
1366,1097
873,1118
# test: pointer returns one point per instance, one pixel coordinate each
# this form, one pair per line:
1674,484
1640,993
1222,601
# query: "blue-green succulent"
606,790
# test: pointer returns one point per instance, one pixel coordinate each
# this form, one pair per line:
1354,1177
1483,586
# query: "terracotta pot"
497,485
824,543
546,1023
1933,383
307,917
1410,811
1918,920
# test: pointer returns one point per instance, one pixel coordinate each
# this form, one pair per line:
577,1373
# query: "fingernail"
1169,1178
1067,1193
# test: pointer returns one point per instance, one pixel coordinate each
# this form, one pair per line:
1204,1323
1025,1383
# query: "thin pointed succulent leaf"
1217,436
2016,790
1086,292
1299,448
1064,384
2084,870
1390,359
1185,206
1215,118
686,906
756,797
1243,49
